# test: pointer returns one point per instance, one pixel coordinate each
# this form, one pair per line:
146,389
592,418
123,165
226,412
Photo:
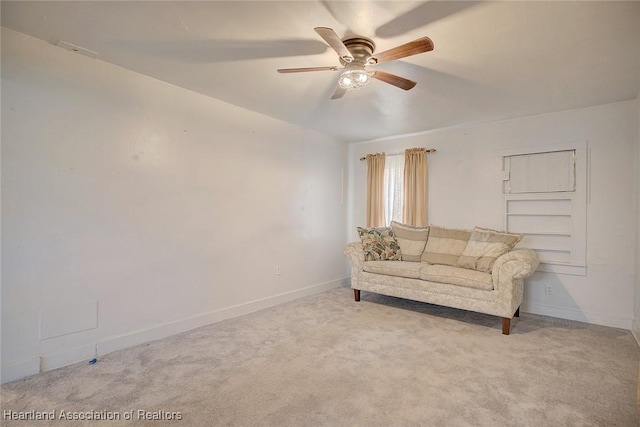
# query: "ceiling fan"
356,54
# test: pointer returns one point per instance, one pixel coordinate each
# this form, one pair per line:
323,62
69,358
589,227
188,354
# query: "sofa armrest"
355,253
508,274
516,264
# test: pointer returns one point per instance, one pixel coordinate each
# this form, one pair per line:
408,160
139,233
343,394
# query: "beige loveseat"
456,268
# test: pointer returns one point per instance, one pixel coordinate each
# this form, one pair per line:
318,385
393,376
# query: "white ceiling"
492,60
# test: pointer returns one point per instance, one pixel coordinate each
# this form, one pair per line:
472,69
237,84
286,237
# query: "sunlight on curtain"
393,188
415,187
375,189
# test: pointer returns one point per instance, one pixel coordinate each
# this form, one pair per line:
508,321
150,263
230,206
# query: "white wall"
636,323
465,190
133,209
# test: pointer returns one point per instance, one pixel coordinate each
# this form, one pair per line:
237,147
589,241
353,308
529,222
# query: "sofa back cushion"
485,246
379,244
412,240
445,245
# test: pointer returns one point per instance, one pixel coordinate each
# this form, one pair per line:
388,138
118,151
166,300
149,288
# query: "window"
394,193
545,200
393,187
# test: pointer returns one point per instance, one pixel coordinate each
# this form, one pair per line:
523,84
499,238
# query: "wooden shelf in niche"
536,214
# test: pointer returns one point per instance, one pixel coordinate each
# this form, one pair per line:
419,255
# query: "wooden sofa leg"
506,325
356,294
517,314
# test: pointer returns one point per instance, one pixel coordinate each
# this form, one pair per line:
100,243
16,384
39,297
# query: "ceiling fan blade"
423,44
305,69
339,92
392,79
335,42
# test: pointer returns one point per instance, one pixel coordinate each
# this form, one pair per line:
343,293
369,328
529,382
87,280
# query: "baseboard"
162,331
68,357
35,365
635,330
17,370
577,315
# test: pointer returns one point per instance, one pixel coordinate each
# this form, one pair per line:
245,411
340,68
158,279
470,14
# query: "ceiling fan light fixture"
356,53
354,79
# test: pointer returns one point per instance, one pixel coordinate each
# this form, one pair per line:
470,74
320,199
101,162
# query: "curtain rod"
430,150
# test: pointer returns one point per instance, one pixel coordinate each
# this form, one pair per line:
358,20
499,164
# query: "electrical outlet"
278,270
548,289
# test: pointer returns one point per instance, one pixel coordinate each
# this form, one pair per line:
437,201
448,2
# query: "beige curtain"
414,210
375,190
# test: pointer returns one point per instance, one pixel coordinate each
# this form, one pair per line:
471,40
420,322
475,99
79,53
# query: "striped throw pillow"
485,246
412,240
445,245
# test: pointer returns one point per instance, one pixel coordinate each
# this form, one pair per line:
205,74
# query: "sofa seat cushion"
394,268
456,276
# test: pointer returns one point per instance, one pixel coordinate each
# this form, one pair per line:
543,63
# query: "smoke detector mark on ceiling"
73,48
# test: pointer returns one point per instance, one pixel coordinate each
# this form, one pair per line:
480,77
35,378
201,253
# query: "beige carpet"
329,361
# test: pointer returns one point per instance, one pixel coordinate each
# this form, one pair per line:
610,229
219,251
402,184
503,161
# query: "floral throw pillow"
379,244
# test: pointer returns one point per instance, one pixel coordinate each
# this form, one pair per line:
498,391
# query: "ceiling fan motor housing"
361,49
